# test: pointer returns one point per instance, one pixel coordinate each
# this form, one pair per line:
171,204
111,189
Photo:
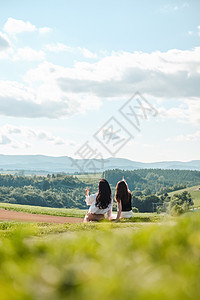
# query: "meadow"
89,178
150,256
63,212
194,191
101,260
74,212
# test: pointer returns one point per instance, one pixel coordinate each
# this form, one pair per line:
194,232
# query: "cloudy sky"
100,78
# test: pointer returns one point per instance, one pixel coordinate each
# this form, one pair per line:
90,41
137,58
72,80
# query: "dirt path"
7,215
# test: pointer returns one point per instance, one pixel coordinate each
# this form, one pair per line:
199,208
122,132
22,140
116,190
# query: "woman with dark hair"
100,203
123,198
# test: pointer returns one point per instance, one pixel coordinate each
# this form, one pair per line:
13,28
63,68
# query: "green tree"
180,203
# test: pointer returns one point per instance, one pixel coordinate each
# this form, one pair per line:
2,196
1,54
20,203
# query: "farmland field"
91,178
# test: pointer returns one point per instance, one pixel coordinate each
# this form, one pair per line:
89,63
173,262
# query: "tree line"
156,181
53,190
149,187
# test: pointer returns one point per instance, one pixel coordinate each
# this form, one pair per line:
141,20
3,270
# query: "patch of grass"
89,179
145,217
63,212
78,213
153,262
8,229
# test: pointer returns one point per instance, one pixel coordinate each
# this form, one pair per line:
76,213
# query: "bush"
180,203
135,210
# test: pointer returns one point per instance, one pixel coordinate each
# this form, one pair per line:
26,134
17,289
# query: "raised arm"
89,199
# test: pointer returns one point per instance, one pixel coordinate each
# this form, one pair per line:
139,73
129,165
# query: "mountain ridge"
69,165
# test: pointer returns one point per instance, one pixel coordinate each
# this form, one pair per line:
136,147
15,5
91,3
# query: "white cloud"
174,113
190,32
58,47
192,137
195,32
44,136
23,137
47,100
13,89
43,30
151,146
175,73
139,65
187,112
87,53
4,140
28,54
5,46
14,26
54,91
167,8
4,42
198,27
194,111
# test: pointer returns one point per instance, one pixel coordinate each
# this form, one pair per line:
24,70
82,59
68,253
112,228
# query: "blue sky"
67,67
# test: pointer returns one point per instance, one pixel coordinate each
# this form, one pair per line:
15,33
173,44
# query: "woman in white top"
100,203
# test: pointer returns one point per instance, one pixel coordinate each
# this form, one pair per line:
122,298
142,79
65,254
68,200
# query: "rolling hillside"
194,191
66,164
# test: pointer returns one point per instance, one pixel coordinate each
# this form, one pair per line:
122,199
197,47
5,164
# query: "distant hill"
69,165
194,191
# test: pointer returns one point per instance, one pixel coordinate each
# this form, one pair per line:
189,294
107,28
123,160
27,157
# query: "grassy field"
63,212
8,229
194,191
78,213
91,178
101,261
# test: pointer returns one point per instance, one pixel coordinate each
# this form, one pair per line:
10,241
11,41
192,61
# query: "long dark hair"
122,193
104,196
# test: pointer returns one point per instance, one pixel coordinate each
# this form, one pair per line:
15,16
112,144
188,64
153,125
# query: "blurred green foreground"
158,261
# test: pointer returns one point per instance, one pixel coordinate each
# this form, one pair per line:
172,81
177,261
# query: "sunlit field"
91,178
101,260
149,256
78,213
63,212
195,194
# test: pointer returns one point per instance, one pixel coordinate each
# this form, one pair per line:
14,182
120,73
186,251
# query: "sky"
99,79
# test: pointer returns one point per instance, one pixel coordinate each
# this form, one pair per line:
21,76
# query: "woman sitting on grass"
123,198
100,203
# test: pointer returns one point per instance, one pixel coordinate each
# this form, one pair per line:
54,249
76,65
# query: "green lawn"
101,261
8,228
63,212
78,213
194,191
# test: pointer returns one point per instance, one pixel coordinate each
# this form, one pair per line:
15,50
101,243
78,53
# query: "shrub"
135,210
180,203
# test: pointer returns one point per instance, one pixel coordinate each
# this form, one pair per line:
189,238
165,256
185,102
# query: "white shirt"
91,200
